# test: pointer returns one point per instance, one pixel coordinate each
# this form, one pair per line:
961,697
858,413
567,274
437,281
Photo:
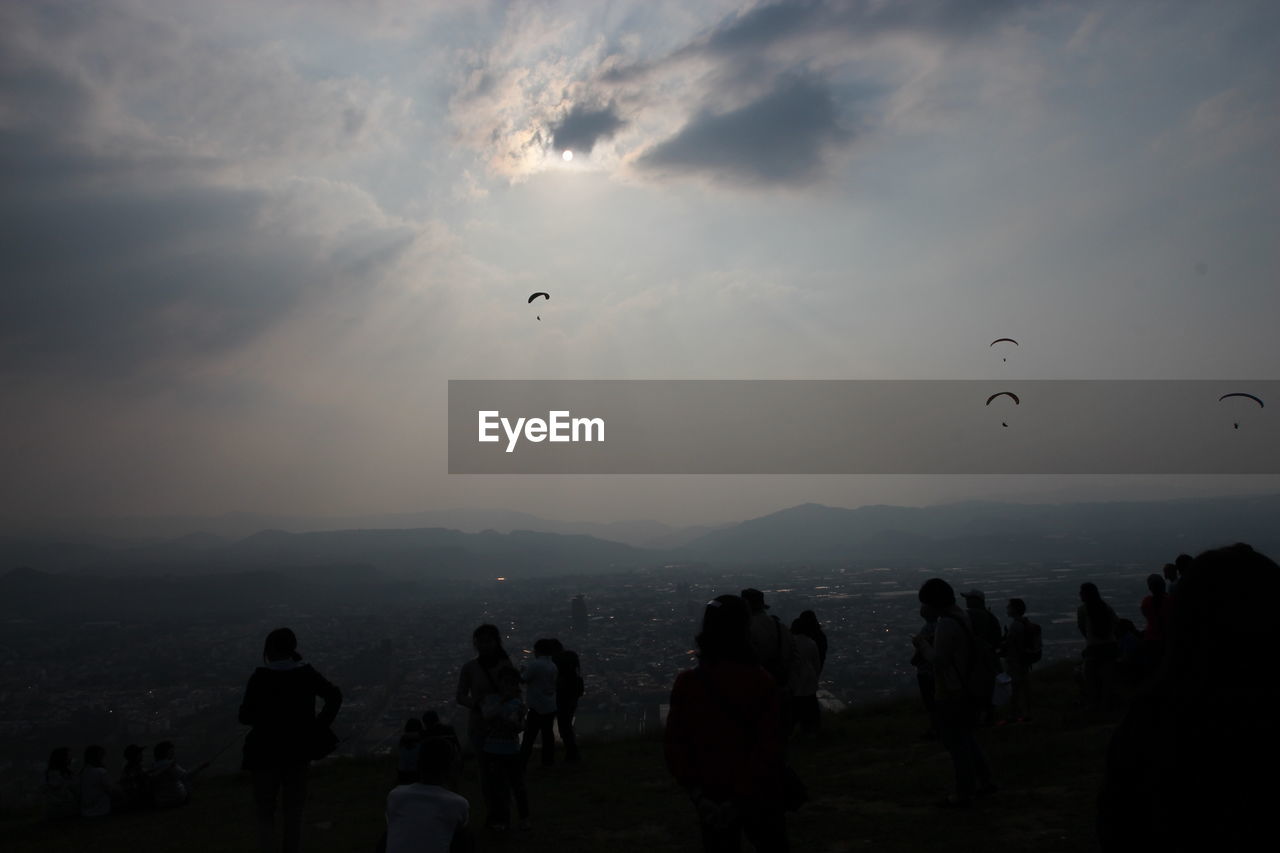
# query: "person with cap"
987,629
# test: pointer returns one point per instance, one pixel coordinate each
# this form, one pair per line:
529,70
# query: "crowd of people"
92,793
1190,684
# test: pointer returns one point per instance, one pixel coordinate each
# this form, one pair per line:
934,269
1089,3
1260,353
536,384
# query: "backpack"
1033,649
980,680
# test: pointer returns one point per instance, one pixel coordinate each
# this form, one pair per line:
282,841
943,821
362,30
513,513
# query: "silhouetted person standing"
723,738
479,680
924,670
1098,623
809,626
569,689
1188,767
954,656
1020,653
280,704
540,681
1157,609
805,709
986,627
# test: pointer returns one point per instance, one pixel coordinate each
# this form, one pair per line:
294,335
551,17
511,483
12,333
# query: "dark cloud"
123,258
781,138
744,39
772,23
583,127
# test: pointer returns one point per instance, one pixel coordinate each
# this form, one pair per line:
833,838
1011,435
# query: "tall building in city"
578,613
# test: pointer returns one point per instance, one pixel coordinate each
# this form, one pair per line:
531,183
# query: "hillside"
873,784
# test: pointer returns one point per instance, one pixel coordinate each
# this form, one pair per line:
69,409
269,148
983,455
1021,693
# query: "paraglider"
534,296
1257,400
1008,394
998,340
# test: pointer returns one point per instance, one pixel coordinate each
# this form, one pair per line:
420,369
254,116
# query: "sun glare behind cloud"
568,155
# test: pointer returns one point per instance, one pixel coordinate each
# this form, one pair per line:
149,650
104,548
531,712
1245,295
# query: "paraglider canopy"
998,340
1261,405
1008,394
534,296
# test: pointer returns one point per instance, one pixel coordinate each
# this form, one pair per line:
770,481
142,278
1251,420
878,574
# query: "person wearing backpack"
960,677
1022,649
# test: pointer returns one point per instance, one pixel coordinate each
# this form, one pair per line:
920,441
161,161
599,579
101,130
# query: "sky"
244,246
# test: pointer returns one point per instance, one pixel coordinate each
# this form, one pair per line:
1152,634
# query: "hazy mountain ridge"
133,531
995,531
948,534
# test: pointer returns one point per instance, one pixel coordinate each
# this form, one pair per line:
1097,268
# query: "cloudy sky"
246,244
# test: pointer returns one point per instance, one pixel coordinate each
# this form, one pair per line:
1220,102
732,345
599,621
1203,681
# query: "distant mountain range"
968,533
237,525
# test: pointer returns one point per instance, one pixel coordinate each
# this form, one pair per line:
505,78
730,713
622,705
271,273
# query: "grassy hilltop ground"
873,783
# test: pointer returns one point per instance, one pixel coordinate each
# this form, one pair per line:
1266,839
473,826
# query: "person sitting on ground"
96,790
133,787
432,727
428,816
61,789
410,741
168,781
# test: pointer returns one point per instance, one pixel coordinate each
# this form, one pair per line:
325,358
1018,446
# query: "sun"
568,155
